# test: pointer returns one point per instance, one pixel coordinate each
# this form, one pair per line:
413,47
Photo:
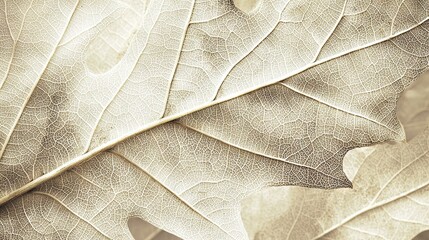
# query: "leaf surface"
272,97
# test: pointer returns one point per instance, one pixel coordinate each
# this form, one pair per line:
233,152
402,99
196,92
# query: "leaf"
265,212
388,200
276,96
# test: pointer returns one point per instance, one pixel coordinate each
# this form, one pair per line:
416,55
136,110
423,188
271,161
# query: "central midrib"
103,147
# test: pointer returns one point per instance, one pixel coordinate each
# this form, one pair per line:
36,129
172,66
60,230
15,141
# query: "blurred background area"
422,236
413,106
142,230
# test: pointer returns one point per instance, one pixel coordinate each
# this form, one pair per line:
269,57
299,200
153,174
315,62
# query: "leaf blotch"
247,6
110,45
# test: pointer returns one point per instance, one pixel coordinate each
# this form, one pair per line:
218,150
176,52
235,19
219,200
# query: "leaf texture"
272,97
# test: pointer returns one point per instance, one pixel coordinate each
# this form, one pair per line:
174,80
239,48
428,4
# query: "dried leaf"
388,201
273,96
